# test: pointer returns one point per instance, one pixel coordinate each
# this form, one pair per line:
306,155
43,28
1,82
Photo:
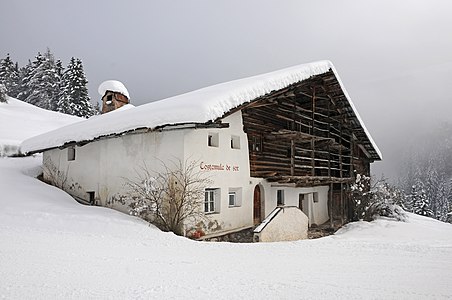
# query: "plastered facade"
104,165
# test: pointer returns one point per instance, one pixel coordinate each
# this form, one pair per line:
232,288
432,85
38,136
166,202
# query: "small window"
235,142
256,144
235,197
109,100
211,200
300,201
280,197
232,198
71,153
91,196
315,197
212,140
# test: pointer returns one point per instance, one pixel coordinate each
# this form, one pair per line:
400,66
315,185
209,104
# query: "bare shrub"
167,198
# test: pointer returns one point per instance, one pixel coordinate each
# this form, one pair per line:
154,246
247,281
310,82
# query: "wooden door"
300,201
257,205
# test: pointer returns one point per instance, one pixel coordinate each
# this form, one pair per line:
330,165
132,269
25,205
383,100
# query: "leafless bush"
53,175
167,198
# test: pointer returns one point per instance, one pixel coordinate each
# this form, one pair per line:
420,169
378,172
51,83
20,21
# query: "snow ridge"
20,121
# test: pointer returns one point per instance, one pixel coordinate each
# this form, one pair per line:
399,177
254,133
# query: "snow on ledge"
199,106
114,86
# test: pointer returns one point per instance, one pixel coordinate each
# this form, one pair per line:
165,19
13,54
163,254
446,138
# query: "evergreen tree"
3,96
46,84
97,109
24,78
9,76
73,98
30,82
65,103
419,200
431,165
43,82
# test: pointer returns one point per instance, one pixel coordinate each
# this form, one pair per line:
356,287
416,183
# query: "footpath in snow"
54,248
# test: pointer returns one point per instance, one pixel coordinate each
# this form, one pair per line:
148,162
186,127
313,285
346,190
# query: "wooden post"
342,204
313,133
330,208
341,167
329,136
292,157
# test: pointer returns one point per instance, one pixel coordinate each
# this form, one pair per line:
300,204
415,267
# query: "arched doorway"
257,215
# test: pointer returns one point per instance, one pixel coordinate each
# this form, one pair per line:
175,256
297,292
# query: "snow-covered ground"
20,120
51,247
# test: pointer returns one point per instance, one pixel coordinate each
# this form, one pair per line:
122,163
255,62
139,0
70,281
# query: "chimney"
114,95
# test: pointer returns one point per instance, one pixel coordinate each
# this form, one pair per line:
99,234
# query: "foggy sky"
394,57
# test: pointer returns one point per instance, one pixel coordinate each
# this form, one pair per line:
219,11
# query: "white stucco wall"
229,170
317,212
102,167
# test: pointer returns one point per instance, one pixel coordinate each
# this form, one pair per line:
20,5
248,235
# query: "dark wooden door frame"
257,206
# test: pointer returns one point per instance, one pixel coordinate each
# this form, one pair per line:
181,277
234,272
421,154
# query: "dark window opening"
256,144
300,201
235,142
91,196
315,197
71,153
280,197
213,140
109,100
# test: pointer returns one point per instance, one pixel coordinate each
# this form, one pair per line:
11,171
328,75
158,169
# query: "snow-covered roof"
199,106
114,86
20,121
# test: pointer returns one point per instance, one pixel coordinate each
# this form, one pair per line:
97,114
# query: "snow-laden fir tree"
73,97
24,78
419,201
44,82
29,82
430,167
438,187
9,76
3,96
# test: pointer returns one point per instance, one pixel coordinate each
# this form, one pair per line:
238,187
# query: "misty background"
394,57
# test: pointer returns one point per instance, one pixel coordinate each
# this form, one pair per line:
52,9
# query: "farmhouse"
290,138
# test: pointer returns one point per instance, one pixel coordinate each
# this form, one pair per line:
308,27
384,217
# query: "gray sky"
394,57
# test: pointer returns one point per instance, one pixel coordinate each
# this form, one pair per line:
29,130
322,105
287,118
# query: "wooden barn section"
308,135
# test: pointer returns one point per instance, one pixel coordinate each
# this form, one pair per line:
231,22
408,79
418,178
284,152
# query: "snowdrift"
20,121
53,247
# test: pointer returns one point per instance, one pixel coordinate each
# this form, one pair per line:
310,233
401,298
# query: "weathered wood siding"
308,135
302,132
